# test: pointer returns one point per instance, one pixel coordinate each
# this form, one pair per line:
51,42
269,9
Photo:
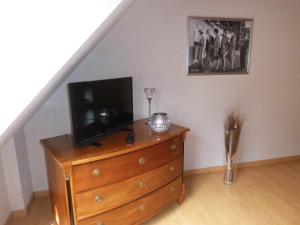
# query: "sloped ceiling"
41,47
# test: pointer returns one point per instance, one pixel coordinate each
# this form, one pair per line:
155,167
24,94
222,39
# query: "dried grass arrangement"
233,124
234,120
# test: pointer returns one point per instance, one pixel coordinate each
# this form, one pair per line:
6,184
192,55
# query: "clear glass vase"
231,147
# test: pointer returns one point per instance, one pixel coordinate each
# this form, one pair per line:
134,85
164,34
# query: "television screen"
99,108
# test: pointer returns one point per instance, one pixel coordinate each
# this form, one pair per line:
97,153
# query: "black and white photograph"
218,46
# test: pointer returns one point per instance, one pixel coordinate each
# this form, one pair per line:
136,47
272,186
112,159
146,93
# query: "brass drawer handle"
142,161
172,169
173,147
96,172
172,189
142,184
98,199
142,208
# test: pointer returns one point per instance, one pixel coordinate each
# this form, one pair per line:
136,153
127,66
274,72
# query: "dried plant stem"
233,125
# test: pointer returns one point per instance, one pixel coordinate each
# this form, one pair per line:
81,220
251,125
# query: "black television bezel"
87,141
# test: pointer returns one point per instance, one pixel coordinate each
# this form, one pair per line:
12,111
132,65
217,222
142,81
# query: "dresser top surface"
62,149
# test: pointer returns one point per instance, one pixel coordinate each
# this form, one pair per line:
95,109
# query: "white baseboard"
216,169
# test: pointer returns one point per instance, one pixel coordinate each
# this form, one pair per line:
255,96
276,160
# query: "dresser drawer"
112,170
105,198
136,211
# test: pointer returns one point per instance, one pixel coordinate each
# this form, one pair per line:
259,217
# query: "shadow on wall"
193,145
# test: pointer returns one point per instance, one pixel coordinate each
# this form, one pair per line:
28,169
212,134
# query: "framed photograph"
218,46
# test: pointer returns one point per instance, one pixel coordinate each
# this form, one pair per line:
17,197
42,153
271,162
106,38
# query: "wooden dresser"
116,183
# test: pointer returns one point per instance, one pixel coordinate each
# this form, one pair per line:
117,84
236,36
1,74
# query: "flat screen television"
99,108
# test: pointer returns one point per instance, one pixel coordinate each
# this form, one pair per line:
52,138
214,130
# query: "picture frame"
218,46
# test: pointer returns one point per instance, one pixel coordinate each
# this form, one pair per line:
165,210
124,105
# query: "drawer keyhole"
96,172
142,208
172,189
173,147
98,198
142,184
172,169
142,161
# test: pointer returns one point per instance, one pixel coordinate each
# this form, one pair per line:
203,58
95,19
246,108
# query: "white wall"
23,165
12,175
15,178
4,201
149,44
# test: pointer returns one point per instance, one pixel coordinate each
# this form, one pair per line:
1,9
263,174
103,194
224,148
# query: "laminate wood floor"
265,195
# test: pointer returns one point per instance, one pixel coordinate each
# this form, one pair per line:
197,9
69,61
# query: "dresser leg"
182,195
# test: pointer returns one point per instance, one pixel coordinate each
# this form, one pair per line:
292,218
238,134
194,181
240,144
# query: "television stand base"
96,144
127,129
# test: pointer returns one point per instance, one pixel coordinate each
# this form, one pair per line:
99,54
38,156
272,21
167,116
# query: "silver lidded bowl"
159,122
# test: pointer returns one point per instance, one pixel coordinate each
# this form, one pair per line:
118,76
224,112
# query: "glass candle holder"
149,95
